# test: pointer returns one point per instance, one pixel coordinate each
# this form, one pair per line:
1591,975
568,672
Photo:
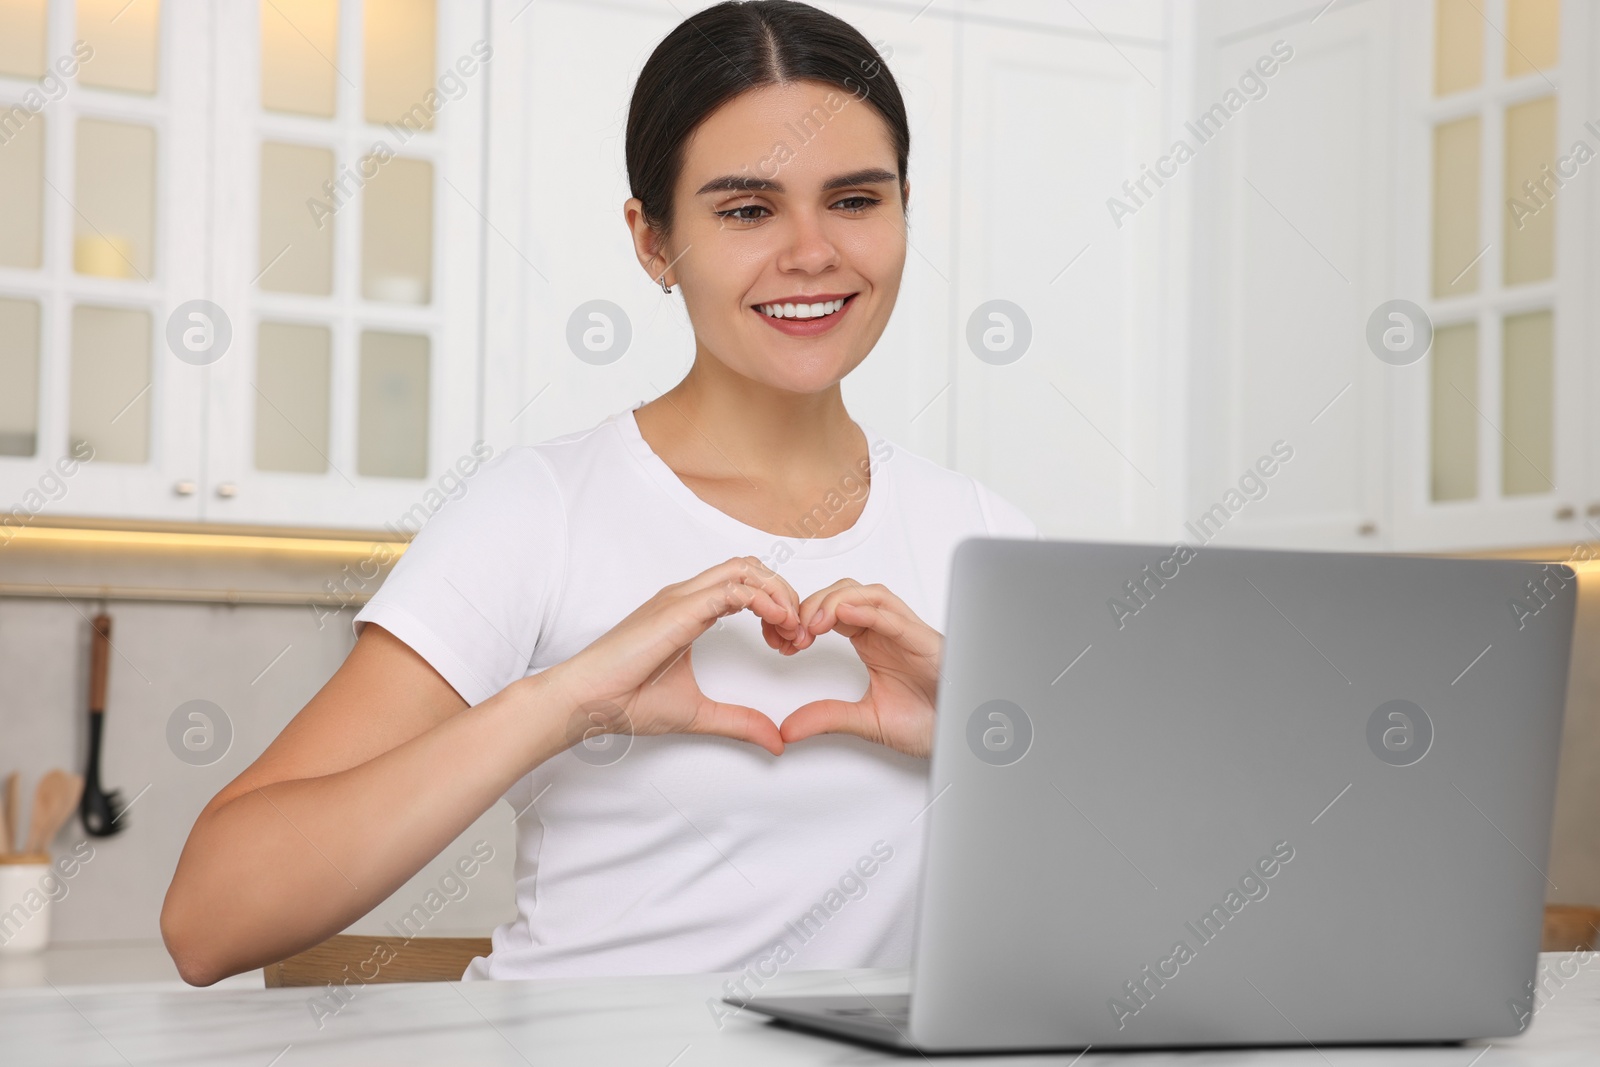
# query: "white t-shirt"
687,853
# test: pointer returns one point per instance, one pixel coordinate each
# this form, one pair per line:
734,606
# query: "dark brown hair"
713,56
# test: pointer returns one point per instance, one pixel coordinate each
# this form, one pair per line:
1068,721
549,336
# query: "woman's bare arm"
381,770
387,765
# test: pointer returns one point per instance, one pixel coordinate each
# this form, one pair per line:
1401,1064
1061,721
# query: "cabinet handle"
184,487
227,489
1367,529
1566,513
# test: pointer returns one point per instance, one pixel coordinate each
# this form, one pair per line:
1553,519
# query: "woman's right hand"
637,677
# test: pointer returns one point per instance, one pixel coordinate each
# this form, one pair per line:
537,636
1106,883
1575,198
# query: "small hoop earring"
665,288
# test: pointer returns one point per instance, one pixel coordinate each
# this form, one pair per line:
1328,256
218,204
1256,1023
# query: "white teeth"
802,311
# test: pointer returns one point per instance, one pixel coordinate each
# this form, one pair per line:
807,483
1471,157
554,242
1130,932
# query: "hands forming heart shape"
637,677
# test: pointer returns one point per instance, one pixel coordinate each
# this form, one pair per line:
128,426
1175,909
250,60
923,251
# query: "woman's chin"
812,378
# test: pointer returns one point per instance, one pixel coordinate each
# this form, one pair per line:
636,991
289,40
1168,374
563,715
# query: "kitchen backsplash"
258,664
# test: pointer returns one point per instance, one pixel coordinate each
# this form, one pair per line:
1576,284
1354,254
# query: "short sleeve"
1002,517
478,583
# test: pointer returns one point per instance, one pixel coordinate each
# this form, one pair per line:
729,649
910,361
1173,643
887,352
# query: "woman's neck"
757,453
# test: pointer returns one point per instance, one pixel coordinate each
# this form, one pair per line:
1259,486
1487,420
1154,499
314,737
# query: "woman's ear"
646,241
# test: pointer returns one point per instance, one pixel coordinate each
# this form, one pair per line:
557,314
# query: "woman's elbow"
187,945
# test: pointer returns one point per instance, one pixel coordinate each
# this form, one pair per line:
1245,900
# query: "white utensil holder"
24,903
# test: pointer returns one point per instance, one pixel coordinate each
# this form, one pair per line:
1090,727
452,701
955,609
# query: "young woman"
696,646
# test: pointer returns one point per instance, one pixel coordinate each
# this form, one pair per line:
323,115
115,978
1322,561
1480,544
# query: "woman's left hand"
901,654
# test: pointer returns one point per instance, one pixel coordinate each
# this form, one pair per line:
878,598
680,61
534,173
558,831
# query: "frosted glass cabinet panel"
1531,210
22,192
397,232
22,26
126,39
399,40
293,364
1458,46
1455,207
1528,401
394,405
19,370
298,39
295,253
111,383
1533,36
1454,428
114,211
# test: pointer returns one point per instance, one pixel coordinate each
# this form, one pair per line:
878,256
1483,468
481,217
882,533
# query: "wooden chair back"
350,957
1571,928
362,959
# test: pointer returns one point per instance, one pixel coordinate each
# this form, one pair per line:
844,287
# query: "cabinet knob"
184,487
1592,509
1566,513
227,489
1367,529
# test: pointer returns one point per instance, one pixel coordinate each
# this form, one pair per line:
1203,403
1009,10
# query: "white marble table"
136,962
655,1022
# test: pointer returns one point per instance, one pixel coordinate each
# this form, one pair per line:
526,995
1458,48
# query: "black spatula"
101,810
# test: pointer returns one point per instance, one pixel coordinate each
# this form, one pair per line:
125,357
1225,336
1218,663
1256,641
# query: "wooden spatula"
53,800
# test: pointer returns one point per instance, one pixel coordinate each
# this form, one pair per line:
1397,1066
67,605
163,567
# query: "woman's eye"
734,213
865,203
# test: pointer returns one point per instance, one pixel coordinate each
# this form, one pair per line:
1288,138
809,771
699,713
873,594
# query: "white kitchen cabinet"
1291,255
1321,207
143,175
92,257
1513,488
1115,23
352,385
1080,429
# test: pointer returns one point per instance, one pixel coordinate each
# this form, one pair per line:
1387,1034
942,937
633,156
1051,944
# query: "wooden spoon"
53,800
71,792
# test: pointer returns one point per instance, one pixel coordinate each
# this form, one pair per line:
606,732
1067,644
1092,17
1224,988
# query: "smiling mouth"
803,312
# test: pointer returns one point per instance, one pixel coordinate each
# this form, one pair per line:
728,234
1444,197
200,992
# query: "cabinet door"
1065,397
560,258
1490,428
104,225
1116,23
348,148
1292,233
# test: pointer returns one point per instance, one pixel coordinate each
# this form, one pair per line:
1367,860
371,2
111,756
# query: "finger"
784,641
738,722
809,606
749,570
909,632
824,615
777,619
731,596
828,717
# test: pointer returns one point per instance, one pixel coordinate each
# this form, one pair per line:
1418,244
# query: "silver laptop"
1212,796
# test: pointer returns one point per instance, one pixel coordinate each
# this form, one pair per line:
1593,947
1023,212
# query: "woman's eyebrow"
735,183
